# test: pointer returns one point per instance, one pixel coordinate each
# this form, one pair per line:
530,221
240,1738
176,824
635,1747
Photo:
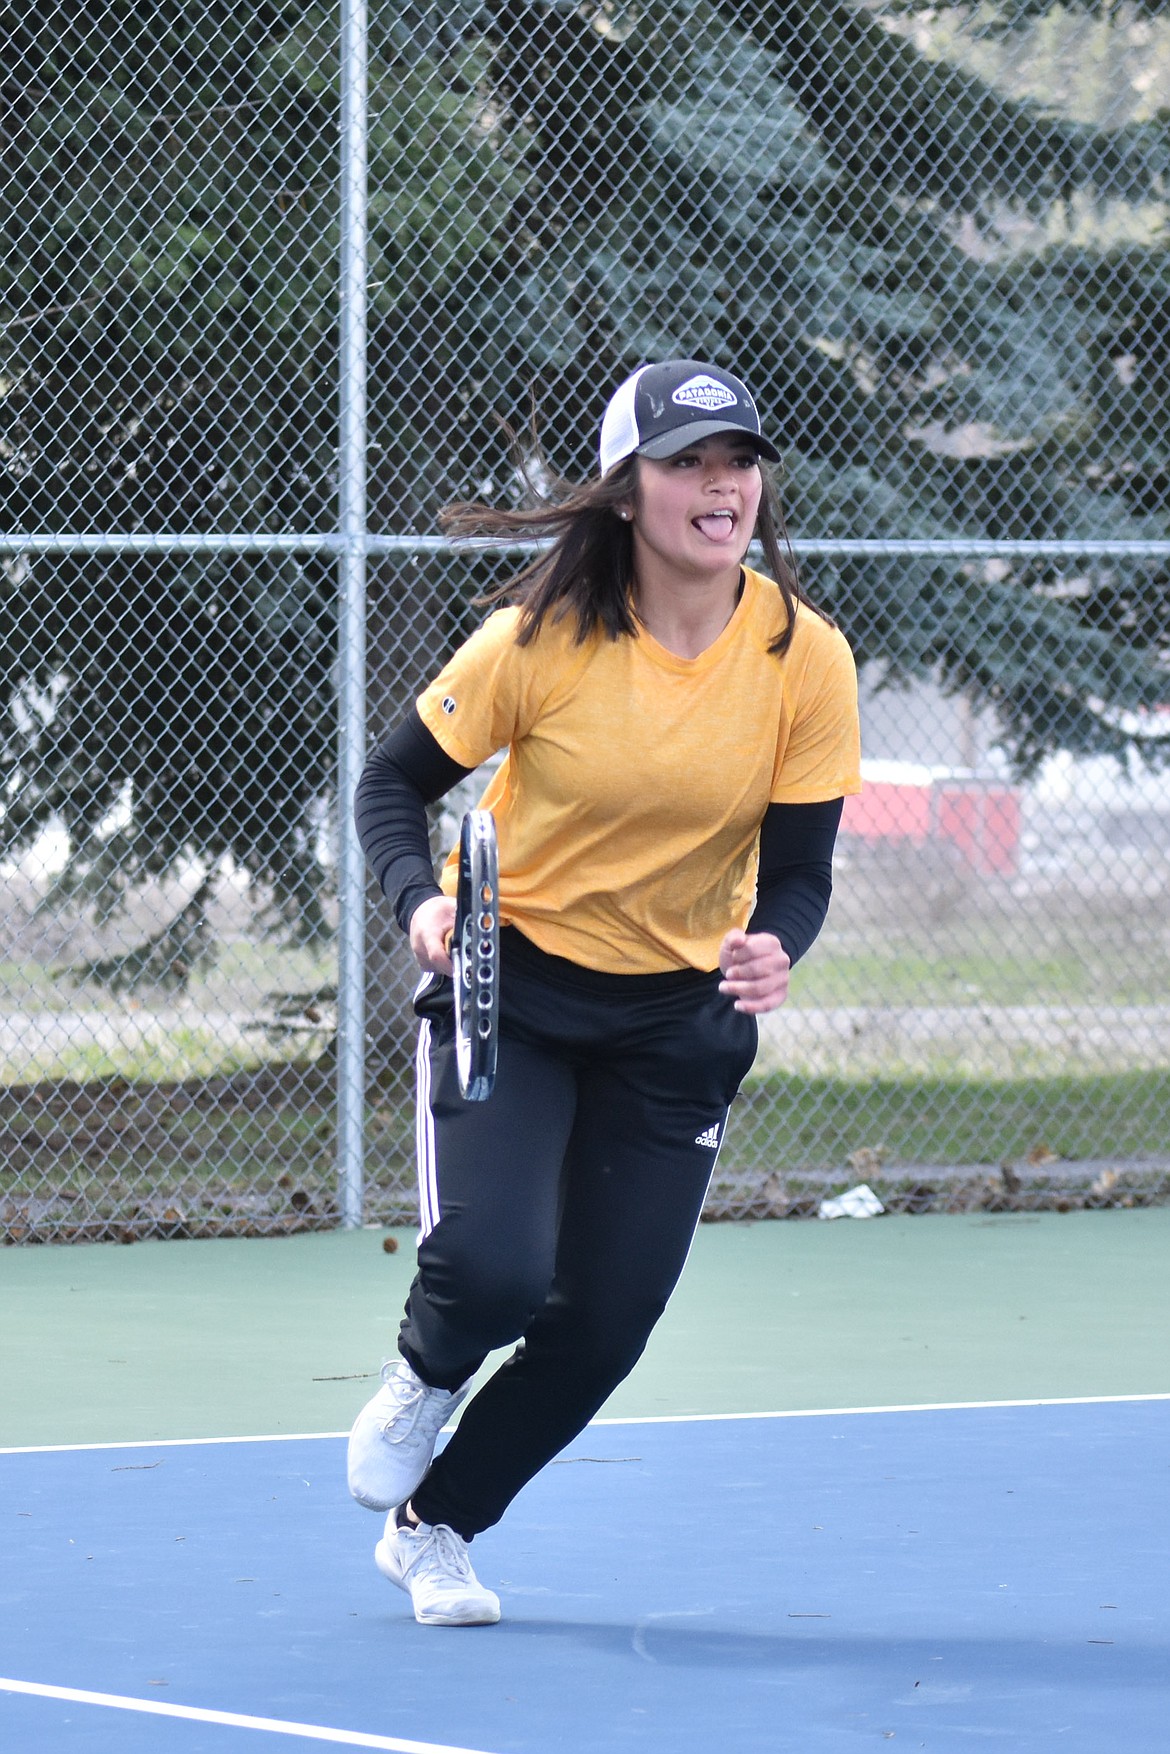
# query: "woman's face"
695,512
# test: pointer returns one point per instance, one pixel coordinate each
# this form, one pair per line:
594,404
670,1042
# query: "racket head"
475,956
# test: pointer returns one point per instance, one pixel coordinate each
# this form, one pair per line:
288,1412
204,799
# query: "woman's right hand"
431,926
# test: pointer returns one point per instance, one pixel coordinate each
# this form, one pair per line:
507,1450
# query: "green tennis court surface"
217,1339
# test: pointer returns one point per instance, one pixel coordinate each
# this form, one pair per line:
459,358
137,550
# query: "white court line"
232,1719
44,1449
47,1449
854,1412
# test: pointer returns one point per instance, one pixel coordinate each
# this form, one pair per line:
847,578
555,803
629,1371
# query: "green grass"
246,970
153,1036
974,974
179,1054
256,1154
253,1154
784,1122
29,986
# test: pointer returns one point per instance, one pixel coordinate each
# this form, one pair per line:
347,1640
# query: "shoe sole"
403,1487
368,1503
482,1616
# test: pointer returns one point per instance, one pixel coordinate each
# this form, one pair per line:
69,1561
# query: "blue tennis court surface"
932,1578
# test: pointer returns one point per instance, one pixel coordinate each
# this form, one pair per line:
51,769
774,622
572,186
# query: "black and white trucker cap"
662,409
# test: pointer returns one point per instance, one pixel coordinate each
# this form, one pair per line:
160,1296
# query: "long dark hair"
588,572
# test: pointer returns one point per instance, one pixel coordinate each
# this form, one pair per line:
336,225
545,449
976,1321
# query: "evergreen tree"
559,192
792,188
169,204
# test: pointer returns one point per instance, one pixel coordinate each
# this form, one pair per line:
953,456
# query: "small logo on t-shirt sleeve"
448,704
709,1137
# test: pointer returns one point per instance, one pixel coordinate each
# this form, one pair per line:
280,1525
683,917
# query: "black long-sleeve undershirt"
409,770
795,878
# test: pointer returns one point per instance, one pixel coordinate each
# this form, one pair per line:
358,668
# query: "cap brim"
669,444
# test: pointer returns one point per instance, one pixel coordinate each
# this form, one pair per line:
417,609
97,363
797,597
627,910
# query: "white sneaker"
431,1565
394,1437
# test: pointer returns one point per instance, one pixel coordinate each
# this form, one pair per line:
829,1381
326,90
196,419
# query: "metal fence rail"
272,276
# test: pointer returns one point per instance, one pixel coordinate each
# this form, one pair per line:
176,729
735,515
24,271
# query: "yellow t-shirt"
629,804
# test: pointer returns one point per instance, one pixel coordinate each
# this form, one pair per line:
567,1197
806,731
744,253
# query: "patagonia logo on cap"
706,393
662,409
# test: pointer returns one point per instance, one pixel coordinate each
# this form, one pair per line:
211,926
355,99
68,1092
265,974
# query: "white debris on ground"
858,1202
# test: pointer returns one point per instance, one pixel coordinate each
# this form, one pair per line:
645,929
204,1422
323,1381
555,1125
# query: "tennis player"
680,733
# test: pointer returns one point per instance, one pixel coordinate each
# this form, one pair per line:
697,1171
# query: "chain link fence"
273,274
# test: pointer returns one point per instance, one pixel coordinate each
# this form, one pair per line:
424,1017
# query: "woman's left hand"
755,970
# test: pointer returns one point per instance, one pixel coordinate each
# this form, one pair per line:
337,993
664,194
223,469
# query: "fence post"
352,275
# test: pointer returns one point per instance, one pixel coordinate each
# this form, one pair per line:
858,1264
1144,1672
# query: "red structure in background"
914,805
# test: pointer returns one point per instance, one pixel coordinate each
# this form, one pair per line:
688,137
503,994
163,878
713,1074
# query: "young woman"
680,732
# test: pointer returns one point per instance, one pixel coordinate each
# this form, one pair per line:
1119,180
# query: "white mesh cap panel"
620,437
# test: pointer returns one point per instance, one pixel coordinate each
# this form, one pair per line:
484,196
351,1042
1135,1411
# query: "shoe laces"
410,1400
443,1554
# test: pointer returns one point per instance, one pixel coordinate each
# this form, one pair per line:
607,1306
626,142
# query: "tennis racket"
475,955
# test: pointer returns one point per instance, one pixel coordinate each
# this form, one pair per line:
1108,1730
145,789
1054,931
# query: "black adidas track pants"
560,1212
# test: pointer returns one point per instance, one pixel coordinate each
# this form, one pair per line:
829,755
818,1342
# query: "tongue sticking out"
716,526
